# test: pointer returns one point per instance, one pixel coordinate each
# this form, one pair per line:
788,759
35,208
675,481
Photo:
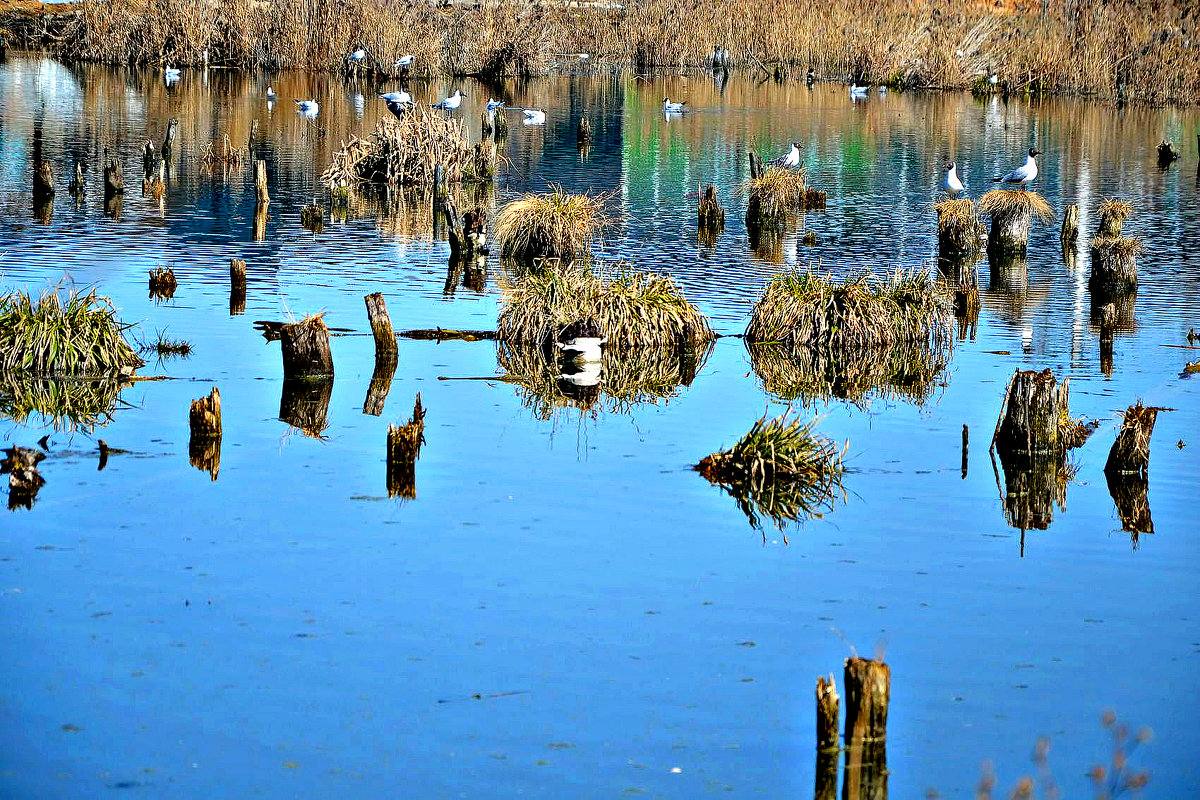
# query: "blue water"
566,608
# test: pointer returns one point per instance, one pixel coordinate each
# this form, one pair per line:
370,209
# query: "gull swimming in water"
789,159
308,108
400,97
493,105
674,108
533,116
951,182
1024,173
404,61
452,102
271,93
857,92
171,73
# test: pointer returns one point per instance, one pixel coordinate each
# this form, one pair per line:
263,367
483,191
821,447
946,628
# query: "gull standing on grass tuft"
951,183
674,108
452,102
1024,173
789,159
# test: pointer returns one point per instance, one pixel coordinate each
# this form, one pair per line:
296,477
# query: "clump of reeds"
775,196
63,334
801,309
165,347
710,215
959,228
633,309
162,282
909,372
1009,202
1121,247
553,224
406,151
781,468
1113,214
229,155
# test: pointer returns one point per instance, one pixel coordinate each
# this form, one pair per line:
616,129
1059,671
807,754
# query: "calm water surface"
566,609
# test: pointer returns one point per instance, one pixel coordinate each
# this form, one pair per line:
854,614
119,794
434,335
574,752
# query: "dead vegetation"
554,225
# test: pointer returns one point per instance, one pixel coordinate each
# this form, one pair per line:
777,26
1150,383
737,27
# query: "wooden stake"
260,182
711,216
1130,453
43,181
204,422
237,286
828,704
260,221
1009,232
1070,226
169,139
305,347
381,327
867,684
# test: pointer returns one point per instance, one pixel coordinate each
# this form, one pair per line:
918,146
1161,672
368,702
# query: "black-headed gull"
951,182
674,108
400,96
493,104
789,159
404,61
857,92
357,56
452,102
271,93
1023,174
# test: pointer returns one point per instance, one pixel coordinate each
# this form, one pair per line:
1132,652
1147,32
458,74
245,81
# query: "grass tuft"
164,347
61,334
781,469
1006,202
801,309
1121,247
959,227
776,195
633,309
555,224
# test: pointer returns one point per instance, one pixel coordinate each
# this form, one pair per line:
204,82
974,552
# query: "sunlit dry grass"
554,224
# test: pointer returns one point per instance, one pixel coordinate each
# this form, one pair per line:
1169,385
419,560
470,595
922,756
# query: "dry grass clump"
801,309
554,224
1120,247
1008,202
66,403
76,334
909,372
404,152
775,195
1112,214
633,309
780,469
959,228
629,377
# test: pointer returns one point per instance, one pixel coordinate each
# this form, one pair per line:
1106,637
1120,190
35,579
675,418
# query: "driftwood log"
403,450
305,347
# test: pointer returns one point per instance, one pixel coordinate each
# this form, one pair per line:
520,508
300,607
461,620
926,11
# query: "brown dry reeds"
802,309
226,155
775,196
633,309
781,469
555,224
1008,202
405,152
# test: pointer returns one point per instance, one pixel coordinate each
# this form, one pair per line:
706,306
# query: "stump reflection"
304,404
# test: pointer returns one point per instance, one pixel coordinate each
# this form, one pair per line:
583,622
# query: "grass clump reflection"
909,372
781,469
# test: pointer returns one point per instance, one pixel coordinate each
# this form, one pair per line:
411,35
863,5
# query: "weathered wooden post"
260,221
381,327
149,158
441,195
583,134
825,785
76,187
710,214
1070,226
403,450
169,139
500,125
487,123
1034,406
43,181
756,166
237,286
114,181
966,435
1130,453
867,684
250,139
260,182
305,348
1113,214
204,444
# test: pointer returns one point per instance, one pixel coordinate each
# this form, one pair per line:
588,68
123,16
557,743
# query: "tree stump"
711,216
1167,154
169,139
114,180
305,347
1034,406
260,182
237,286
381,328
260,221
500,125
1106,350
1070,225
21,466
960,232
403,450
76,187
486,124
1130,453
1032,487
113,206
304,404
250,139
1114,266
1009,233
43,181
204,444
867,684
163,283
1131,496
149,158
828,704
756,166
583,135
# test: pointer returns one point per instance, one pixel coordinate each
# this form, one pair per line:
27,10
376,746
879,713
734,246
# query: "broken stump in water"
24,480
381,384
500,126
169,139
867,684
1131,496
583,135
814,200
1114,266
260,221
43,181
313,217
114,180
162,283
260,182
305,347
1113,214
237,286
1167,154
1070,226
960,233
204,422
1035,404
825,783
1130,453
710,215
1011,212
76,187
381,328
403,450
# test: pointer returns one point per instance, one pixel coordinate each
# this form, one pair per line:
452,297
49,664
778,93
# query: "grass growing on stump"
63,334
1006,202
959,228
780,468
634,309
801,309
775,195
1113,214
554,224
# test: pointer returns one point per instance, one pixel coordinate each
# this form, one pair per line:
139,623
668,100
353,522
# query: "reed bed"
633,309
781,469
1007,202
775,195
69,333
801,309
554,224
406,151
1133,49
909,372
65,403
645,375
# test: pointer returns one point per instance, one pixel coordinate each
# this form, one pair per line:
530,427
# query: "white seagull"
400,97
533,116
493,105
308,108
171,73
674,108
582,341
1024,173
951,182
789,159
357,56
452,102
271,93
857,92
404,61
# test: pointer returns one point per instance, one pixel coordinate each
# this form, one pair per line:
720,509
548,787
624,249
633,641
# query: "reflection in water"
1131,494
626,377
63,403
909,372
304,404
1033,485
